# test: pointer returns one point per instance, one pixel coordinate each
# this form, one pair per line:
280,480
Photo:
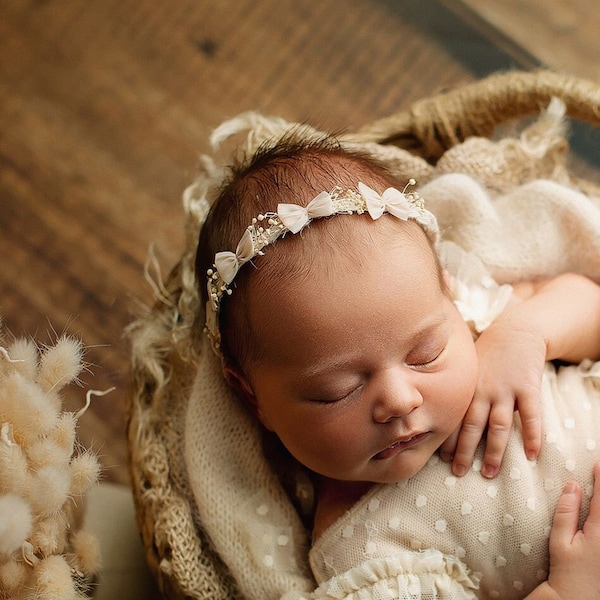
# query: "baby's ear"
447,281
238,382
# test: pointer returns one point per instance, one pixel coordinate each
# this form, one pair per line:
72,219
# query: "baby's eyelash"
429,361
339,399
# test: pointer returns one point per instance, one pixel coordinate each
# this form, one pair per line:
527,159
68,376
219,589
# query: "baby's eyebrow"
440,319
322,368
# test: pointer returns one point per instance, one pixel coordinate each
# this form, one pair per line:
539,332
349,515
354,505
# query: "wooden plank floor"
105,107
562,34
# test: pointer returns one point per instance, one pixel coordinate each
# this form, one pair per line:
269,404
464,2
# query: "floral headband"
292,218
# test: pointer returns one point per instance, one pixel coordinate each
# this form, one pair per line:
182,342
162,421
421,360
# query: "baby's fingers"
573,552
592,523
566,518
499,428
448,448
470,435
531,421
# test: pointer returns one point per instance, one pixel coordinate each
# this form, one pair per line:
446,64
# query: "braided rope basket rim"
181,556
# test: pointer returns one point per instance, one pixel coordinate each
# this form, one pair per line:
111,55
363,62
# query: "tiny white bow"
229,263
392,201
295,217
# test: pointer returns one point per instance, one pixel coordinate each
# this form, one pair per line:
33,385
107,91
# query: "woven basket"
178,551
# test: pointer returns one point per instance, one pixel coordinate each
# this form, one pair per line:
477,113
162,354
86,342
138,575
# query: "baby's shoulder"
334,500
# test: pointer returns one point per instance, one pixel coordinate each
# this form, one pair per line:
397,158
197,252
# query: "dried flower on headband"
292,218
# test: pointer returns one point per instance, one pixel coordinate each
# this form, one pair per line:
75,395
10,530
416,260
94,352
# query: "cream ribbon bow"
229,263
295,217
392,201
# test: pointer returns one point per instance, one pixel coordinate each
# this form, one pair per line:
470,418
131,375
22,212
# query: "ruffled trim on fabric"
417,575
589,369
478,298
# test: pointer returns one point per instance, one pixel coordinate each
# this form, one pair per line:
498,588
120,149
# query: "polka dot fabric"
497,528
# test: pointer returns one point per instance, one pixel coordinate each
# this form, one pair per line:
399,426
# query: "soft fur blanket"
526,222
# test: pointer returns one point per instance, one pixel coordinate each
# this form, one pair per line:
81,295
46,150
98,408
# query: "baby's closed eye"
426,354
333,396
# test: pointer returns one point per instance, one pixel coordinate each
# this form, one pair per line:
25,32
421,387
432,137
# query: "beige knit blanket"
510,202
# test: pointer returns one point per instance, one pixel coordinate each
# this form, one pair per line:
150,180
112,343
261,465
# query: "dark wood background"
106,105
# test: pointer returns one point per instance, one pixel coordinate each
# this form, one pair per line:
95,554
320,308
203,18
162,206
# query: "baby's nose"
398,395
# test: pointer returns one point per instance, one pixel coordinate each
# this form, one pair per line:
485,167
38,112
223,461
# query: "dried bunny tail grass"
15,523
73,513
13,576
86,547
53,580
42,485
45,452
49,536
64,432
14,470
49,490
60,364
26,407
20,357
84,472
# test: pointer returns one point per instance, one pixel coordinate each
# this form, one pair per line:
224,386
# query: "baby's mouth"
400,445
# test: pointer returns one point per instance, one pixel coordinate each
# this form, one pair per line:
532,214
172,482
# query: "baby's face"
367,367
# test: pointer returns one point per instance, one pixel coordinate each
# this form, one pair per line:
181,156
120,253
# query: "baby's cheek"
334,444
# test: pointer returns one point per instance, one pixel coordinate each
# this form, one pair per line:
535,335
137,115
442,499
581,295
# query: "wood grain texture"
561,33
105,107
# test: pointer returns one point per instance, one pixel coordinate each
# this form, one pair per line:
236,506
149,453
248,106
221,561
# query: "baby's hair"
294,170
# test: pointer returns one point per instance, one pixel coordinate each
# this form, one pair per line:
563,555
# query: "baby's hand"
511,364
574,553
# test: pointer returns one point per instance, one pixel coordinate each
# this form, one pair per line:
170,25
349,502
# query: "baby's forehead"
340,245
309,293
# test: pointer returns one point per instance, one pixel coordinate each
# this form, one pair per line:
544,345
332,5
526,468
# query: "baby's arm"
574,554
556,318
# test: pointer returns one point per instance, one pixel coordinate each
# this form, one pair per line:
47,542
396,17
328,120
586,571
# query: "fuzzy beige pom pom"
49,490
87,549
23,355
26,408
49,536
85,471
63,434
53,580
13,575
14,473
60,364
43,555
46,452
15,523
